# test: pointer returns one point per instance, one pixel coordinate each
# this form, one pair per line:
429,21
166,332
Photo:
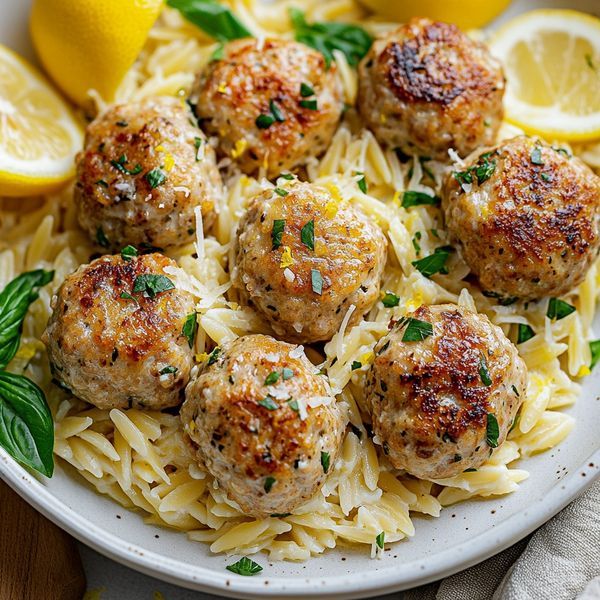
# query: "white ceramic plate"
463,536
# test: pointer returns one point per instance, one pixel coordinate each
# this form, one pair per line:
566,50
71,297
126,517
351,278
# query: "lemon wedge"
552,64
467,14
90,44
38,135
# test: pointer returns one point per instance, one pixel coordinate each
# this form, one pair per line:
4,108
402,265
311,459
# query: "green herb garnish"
214,356
595,350
412,198
484,372
120,166
280,192
307,235
245,566
416,330
155,177
492,431
168,370
325,460
277,232
264,121
380,540
272,377
434,263
316,281
559,309
309,104
276,111
524,333
129,252
536,156
269,481
151,285
286,373
390,300
269,403
101,238
355,365
306,90
190,326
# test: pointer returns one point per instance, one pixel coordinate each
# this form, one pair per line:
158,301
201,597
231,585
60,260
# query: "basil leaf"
411,198
277,232
484,372
524,333
353,41
212,17
190,326
245,566
151,284
316,281
306,90
492,431
26,427
264,121
269,482
307,235
416,330
325,461
559,309
390,300
595,350
309,104
15,299
434,263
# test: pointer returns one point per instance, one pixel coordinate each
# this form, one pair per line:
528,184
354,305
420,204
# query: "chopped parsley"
286,373
356,365
276,111
524,333
559,309
217,53
492,431
595,350
306,90
101,238
307,235
277,232
484,372
269,403
325,460
280,192
272,377
245,566
264,121
155,177
434,263
190,327
287,176
129,252
412,198
151,285
316,281
483,170
416,330
536,156
168,369
562,151
390,300
269,482
380,540
415,242
214,356
293,404
309,104
120,166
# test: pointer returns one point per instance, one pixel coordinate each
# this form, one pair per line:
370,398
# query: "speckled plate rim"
357,585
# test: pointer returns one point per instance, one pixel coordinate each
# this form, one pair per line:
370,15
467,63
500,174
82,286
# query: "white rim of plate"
389,579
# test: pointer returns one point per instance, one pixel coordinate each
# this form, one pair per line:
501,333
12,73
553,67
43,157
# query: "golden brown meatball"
144,168
273,103
435,401
303,257
263,423
426,87
116,336
527,218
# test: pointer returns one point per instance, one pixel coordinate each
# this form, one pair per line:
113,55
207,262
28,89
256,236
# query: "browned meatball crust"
273,78
526,217
430,399
114,346
144,169
426,87
305,289
244,418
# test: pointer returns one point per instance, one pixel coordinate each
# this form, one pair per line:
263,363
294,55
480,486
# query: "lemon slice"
467,14
552,64
38,135
90,44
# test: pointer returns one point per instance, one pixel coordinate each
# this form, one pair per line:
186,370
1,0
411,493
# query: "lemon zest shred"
240,148
286,258
168,160
583,371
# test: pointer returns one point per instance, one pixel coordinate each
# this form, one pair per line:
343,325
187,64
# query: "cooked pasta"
140,458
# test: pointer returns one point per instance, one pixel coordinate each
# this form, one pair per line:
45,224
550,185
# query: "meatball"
435,401
144,169
526,217
426,87
303,257
121,334
264,423
273,103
